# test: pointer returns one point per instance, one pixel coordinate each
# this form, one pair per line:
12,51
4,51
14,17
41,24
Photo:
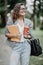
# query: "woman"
20,53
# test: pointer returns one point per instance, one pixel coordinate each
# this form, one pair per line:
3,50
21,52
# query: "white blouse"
21,29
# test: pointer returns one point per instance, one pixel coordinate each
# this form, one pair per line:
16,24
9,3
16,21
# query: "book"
13,29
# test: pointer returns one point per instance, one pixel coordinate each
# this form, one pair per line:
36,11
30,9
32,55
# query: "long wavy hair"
16,11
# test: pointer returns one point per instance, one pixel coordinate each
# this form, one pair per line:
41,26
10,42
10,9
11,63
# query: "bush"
41,27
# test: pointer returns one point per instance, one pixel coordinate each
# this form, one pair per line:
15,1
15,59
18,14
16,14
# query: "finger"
29,36
19,37
27,31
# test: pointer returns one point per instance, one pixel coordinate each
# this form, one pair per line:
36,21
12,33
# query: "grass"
37,34
2,30
37,60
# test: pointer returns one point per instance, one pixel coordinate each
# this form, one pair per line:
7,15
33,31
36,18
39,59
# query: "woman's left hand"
27,36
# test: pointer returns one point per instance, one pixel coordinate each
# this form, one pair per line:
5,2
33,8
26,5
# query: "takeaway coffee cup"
26,30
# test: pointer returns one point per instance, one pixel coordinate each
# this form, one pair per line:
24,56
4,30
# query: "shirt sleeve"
31,27
9,22
6,30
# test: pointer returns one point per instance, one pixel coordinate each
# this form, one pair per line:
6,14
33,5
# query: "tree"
41,15
36,11
12,3
4,10
2,13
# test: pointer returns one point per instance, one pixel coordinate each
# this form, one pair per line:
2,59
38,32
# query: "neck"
21,18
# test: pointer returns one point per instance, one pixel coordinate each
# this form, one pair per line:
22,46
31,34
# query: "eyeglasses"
23,8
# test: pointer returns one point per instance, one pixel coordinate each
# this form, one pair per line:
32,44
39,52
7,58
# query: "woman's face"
22,11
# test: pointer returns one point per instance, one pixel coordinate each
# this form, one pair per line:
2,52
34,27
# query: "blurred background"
34,13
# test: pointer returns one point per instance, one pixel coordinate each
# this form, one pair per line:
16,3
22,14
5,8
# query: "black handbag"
36,49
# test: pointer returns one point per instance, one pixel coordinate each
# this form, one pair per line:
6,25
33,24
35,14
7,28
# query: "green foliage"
3,10
41,27
28,16
12,3
2,2
2,24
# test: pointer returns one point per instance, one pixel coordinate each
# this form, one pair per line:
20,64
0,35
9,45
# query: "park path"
4,51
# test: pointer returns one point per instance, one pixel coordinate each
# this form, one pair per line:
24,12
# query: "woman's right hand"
13,35
17,35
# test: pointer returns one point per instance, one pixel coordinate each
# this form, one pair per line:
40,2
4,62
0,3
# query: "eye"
23,9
